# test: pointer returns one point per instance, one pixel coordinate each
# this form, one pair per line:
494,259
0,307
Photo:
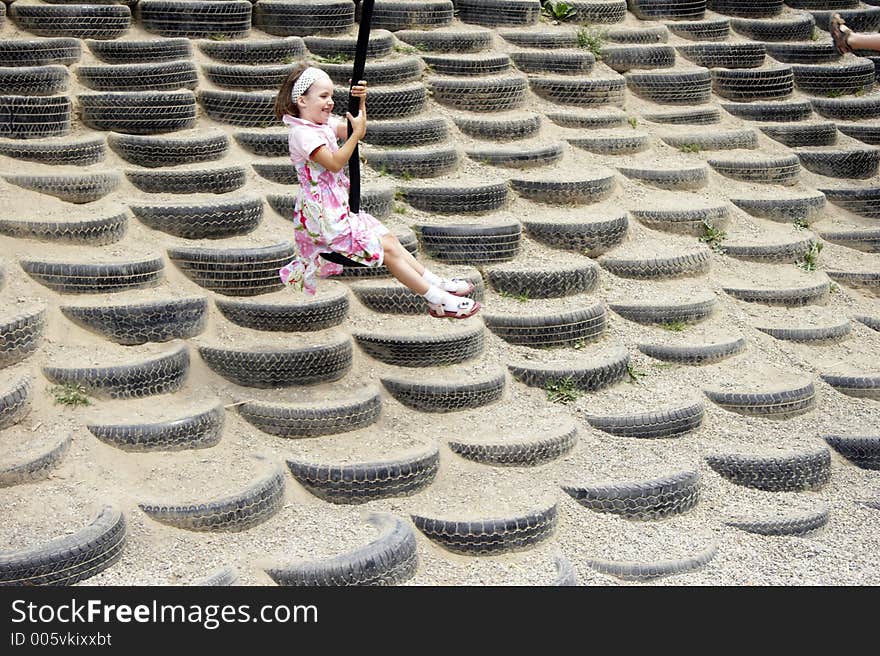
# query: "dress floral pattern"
322,220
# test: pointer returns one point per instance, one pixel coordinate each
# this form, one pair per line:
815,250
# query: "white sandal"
462,287
467,307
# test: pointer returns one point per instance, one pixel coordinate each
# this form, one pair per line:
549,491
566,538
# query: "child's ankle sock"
432,278
435,295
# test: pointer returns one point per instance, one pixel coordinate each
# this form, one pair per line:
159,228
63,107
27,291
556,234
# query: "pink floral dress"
322,221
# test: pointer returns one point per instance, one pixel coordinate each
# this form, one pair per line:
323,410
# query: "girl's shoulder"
295,122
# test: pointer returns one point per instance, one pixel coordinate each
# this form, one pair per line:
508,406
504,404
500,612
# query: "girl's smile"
316,104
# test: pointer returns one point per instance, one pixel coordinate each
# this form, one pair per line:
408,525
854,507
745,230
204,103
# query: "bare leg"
399,265
862,41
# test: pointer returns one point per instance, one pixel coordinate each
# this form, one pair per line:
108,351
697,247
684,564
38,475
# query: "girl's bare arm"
336,161
359,90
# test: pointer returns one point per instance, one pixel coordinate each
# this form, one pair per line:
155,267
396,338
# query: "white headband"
305,80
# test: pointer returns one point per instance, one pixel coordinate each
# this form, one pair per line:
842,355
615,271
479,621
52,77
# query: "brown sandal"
840,37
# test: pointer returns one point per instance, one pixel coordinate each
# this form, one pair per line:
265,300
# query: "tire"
491,94
747,8
866,387
783,404
390,559
253,52
857,163
364,482
810,335
579,91
791,524
499,13
797,134
638,35
486,537
699,116
871,322
836,78
396,71
520,158
299,316
647,571
657,314
716,140
651,10
550,330
39,52
588,376
82,152
74,188
132,324
694,263
35,469
602,12
615,144
414,132
786,297
234,271
783,169
288,18
858,200
658,424
71,558
454,200
415,162
858,20
160,375
520,454
162,76
784,210
139,112
594,188
140,52
625,58
863,452
494,129
405,14
562,62
789,473
717,29
470,244
155,152
642,500
537,38
672,88
214,181
313,420
694,177
869,281
21,335
848,109
380,43
76,21
802,53
233,513
24,117
724,55
550,282
200,431
16,401
223,577
195,18
694,355
422,351
449,396
34,80
746,85
779,253
446,41
868,134
249,110
683,221
396,102
796,28
867,241
91,232
588,237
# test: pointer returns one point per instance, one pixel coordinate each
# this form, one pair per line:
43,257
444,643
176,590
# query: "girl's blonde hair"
284,104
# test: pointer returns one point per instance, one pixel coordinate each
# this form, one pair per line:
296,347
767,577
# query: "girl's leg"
400,267
862,41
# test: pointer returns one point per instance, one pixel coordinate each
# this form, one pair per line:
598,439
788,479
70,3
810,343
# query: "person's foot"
840,33
457,286
455,308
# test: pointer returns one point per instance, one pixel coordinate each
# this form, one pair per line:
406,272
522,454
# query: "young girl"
323,222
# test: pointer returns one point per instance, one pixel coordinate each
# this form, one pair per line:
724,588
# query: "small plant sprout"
579,344
592,39
814,35
690,148
338,58
674,326
811,257
634,372
558,10
70,394
713,237
633,122
801,223
218,36
289,59
562,391
522,298
406,175
399,209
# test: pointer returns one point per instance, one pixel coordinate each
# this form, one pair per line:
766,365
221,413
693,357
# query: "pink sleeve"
303,141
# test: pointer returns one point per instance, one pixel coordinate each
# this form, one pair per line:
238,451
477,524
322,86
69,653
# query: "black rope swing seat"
354,163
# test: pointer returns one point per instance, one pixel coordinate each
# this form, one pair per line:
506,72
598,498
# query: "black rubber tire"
687,178
415,162
550,330
601,12
454,200
746,85
590,378
672,88
520,454
160,375
409,133
82,152
672,422
871,322
499,13
864,201
357,410
787,297
535,37
195,18
650,10
39,52
16,402
789,473
447,397
233,513
404,14
21,335
855,163
488,537
131,324
76,21
867,240
810,335
867,133
591,189
805,209
698,116
791,524
647,571
395,102
493,129
835,78
865,387
863,452
395,71
735,139
563,62
224,576
811,52
637,35
299,316
254,52
802,134
642,500
782,169
34,80
249,110
779,253
690,221
246,77
162,76
380,43
783,404
26,117
490,94
695,355
627,57
76,278
234,271
712,29
688,264
364,482
289,18
210,221
551,282
848,108
155,152
71,558
470,244
579,91
799,27
869,281
37,468
657,314
118,51
726,55
390,559
92,232
199,431
73,188
422,351
747,8
865,19
214,181
517,157
139,112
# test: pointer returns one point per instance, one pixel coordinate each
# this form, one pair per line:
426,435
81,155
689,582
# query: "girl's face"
316,103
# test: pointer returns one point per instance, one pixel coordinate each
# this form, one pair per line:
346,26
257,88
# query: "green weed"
558,11
834,93
713,237
634,373
801,223
218,36
811,257
522,298
592,39
674,326
690,148
70,394
562,391
633,122
338,58
814,35
399,209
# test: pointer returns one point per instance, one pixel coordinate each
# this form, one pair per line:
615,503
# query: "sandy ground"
94,474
